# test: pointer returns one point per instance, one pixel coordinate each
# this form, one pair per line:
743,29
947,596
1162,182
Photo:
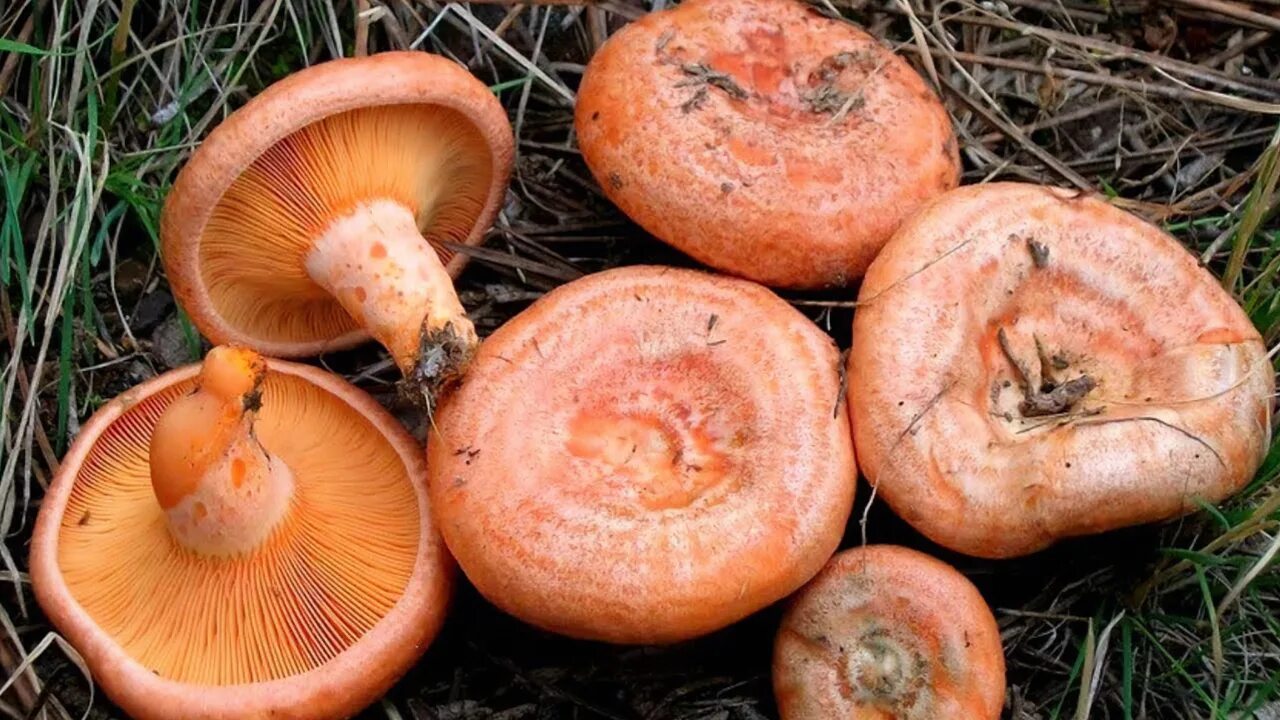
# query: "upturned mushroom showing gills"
762,138
888,633
1031,364
644,455
245,538
323,212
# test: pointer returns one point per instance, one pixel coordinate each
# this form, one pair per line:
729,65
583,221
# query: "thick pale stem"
376,263
221,491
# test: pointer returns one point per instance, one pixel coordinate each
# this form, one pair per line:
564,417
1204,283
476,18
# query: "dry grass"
1171,110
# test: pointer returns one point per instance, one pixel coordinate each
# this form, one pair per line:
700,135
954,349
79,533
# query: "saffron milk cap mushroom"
885,632
245,538
762,138
322,212
644,455
1032,363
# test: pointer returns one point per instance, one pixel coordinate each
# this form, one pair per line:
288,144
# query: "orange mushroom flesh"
328,210
338,212
210,531
888,633
1031,364
221,491
644,455
762,138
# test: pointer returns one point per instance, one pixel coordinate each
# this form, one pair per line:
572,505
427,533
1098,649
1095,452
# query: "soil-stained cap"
645,455
885,632
247,540
1031,363
403,143
762,138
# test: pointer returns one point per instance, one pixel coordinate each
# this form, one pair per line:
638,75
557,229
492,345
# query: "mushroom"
644,455
762,138
245,538
328,209
888,632
1031,364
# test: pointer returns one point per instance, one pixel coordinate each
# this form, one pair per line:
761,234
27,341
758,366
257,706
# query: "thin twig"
1234,10
1014,133
510,51
1186,92
1266,86
361,45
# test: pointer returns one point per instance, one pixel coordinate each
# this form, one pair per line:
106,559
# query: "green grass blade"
1126,668
1256,206
13,46
64,371
1085,647
1215,631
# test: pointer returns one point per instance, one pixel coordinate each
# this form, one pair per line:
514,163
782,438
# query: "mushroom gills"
292,581
352,217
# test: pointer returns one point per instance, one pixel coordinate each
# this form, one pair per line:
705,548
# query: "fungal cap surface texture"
1030,364
885,632
645,455
763,139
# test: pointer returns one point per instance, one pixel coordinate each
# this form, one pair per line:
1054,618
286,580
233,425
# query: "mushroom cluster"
646,454
249,537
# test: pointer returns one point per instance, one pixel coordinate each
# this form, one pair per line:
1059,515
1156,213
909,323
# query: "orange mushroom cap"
887,632
762,138
644,455
210,558
320,212
1031,364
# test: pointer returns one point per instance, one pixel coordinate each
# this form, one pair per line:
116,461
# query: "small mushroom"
887,632
328,209
762,138
243,538
1032,364
644,455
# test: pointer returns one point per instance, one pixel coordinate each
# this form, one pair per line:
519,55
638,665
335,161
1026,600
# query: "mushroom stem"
221,491
375,261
